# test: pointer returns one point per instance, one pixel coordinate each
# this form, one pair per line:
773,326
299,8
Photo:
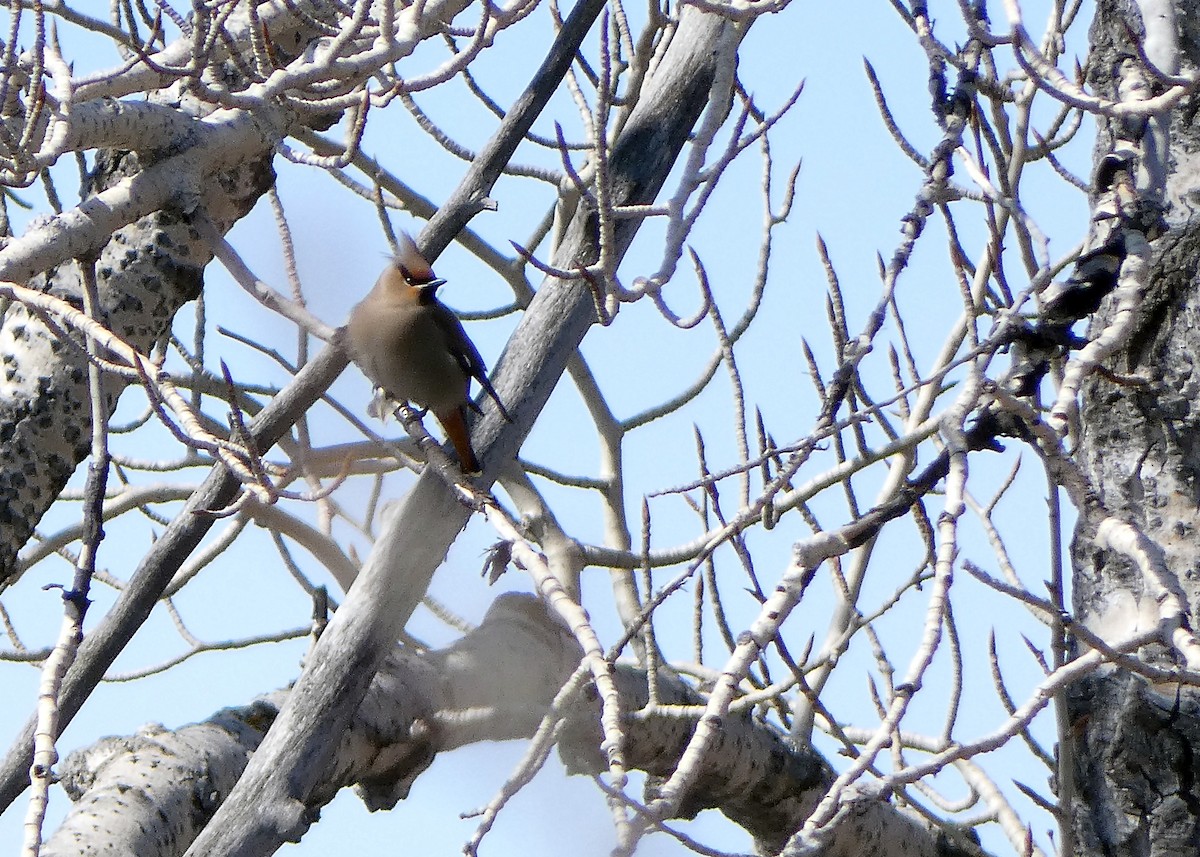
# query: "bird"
413,347
1095,276
1037,341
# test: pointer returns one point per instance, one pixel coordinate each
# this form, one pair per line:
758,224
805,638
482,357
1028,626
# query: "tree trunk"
1135,742
160,164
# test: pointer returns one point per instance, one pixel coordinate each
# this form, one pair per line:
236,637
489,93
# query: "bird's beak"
432,285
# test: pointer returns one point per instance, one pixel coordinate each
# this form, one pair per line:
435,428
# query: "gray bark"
126,224
1136,743
102,645
146,270
151,794
136,220
273,801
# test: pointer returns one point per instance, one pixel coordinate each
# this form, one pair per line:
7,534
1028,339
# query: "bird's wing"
466,353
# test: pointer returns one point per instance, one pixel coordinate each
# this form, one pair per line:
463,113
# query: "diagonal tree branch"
103,645
151,794
136,217
272,802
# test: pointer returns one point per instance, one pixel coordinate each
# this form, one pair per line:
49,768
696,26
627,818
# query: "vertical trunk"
1135,741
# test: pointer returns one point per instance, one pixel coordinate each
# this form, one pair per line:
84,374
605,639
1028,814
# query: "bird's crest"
410,261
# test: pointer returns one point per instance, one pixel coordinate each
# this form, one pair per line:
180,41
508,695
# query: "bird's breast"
403,350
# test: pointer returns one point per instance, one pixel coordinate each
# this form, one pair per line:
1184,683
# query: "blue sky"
853,189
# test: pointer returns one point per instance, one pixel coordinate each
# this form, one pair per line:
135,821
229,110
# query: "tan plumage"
411,345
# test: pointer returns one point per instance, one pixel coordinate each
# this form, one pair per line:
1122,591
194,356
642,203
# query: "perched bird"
1094,277
414,347
1037,342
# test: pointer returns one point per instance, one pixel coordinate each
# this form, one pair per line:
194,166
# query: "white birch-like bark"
1136,741
150,794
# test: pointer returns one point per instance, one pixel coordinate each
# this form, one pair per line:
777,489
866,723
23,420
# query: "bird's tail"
455,427
491,391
